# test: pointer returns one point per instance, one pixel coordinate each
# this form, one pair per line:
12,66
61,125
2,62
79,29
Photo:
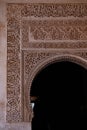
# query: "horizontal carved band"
43,33
54,10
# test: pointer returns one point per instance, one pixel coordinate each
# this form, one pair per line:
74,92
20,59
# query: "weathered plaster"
45,1
3,61
15,126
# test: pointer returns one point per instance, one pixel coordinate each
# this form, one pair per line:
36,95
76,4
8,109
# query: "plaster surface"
3,60
46,52
44,1
15,126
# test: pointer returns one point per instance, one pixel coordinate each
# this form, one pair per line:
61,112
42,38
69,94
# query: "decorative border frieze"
13,64
54,33
54,10
22,66
57,45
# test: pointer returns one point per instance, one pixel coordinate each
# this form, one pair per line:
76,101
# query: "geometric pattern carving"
49,33
54,10
32,59
56,45
13,65
49,27
56,30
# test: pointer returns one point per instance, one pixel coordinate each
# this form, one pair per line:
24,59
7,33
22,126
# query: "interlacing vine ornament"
54,10
37,32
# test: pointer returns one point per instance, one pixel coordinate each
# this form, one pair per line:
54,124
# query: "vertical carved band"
13,64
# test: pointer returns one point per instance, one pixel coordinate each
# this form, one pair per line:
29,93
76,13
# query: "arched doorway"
59,92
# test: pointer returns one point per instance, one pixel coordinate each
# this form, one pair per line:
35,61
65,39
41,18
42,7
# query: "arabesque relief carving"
35,33
49,33
13,64
54,10
58,30
33,59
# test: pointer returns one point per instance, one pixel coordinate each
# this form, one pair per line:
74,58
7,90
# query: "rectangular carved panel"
50,33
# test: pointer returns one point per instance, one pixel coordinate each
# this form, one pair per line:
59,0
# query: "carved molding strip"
57,45
13,64
50,33
54,10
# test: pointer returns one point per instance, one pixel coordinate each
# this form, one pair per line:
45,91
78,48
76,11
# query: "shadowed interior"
60,92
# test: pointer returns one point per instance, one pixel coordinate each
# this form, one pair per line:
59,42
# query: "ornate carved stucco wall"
38,34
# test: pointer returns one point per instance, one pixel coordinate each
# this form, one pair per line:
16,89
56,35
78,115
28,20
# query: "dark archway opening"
59,93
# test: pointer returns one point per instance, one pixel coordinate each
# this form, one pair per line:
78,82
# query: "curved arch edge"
36,69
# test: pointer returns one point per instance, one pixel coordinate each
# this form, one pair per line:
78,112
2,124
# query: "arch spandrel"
40,66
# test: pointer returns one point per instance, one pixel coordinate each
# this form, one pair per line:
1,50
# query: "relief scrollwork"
35,61
54,33
54,10
36,34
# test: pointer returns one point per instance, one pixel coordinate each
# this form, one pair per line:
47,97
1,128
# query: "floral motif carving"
58,30
39,33
57,45
32,59
48,34
54,10
13,64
